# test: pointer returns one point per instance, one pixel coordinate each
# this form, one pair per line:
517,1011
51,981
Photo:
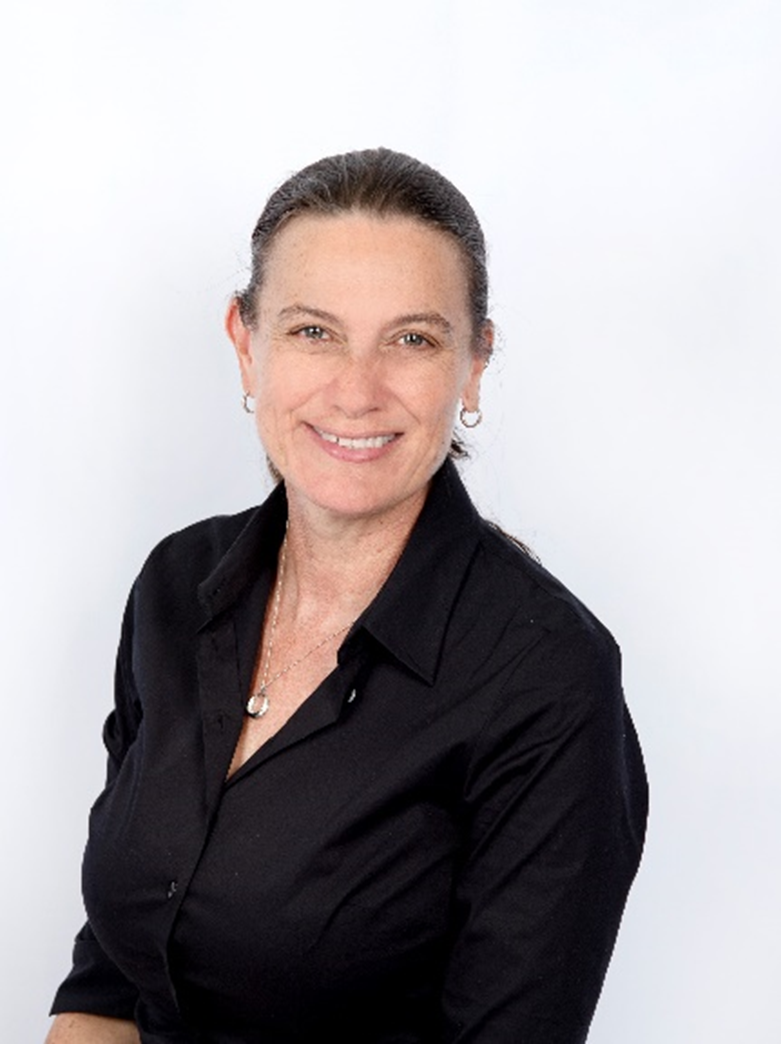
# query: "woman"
371,776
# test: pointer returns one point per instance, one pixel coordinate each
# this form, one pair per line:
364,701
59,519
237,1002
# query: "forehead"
365,252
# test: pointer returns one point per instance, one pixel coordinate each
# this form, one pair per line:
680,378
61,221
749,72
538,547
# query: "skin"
76,1028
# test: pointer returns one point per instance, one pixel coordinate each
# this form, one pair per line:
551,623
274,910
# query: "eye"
415,340
312,333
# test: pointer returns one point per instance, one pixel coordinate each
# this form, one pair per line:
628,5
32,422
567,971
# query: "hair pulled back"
385,183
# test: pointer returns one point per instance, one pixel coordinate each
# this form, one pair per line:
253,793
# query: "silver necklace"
258,703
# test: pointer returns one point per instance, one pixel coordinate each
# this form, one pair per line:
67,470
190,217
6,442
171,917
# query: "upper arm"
95,985
121,726
555,805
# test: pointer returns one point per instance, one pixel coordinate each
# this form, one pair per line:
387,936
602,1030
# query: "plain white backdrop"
625,157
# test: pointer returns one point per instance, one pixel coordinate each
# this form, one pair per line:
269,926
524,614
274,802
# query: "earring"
245,402
470,423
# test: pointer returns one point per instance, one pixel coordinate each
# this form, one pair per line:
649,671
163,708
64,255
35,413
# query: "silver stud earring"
245,402
474,420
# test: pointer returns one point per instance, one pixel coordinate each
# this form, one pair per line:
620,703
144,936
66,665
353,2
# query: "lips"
367,442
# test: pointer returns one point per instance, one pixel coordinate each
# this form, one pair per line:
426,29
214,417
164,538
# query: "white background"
625,157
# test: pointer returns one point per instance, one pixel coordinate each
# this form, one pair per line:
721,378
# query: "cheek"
283,392
280,388
437,398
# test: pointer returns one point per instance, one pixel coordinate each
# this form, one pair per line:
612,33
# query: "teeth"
374,442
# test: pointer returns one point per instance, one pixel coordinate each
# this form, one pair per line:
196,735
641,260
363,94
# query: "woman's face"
359,358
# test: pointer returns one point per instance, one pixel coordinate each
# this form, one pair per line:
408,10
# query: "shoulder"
560,667
181,561
199,547
530,594
222,551
557,661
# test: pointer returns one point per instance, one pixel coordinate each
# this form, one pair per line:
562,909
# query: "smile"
370,442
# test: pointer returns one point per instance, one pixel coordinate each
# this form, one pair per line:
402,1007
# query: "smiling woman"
360,355
371,774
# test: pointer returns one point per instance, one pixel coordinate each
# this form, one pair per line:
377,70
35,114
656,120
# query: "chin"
355,504
349,497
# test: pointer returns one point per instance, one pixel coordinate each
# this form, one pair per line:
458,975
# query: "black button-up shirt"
437,846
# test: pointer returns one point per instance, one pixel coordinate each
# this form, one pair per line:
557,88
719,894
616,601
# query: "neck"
336,565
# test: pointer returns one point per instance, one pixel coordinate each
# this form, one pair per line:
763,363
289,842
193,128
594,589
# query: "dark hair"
383,182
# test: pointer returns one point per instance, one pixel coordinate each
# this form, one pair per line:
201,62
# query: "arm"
75,1028
96,998
556,804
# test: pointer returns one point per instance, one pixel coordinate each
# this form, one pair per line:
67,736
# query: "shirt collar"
253,551
410,614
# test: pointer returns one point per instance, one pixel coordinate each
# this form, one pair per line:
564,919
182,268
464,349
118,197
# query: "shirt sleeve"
556,806
95,986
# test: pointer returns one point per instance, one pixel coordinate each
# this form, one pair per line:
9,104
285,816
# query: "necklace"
258,703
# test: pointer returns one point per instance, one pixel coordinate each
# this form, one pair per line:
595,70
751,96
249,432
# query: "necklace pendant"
257,704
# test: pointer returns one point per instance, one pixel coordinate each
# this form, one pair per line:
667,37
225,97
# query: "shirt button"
171,891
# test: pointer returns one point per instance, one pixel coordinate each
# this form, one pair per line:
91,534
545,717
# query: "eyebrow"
302,310
430,318
411,318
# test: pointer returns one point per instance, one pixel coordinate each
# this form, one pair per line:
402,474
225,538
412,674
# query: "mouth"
366,442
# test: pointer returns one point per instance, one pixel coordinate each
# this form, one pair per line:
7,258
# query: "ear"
480,358
241,338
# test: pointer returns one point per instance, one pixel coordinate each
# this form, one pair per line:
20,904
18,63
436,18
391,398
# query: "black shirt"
437,846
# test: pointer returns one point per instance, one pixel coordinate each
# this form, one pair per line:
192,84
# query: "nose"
357,387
